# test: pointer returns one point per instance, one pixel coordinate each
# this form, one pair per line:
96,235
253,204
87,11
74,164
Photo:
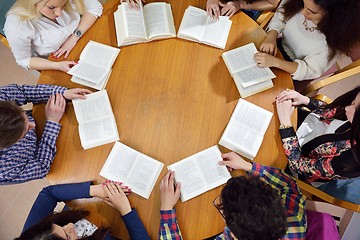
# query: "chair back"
5,5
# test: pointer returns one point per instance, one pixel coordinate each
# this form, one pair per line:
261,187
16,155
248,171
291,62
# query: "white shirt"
308,49
40,37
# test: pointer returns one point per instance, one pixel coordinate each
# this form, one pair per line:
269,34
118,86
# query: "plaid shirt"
294,203
29,159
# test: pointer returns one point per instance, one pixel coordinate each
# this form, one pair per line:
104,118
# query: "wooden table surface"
171,99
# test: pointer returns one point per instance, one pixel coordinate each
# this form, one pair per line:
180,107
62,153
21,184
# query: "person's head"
252,208
339,21
14,124
348,108
60,226
32,9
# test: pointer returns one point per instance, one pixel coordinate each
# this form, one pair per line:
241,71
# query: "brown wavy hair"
340,23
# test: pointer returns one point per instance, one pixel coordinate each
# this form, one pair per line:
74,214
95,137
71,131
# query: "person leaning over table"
229,8
314,33
266,203
325,146
22,156
71,224
37,28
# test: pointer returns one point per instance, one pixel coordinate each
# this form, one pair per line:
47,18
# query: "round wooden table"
171,99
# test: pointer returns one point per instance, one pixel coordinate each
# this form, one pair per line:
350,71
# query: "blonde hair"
26,9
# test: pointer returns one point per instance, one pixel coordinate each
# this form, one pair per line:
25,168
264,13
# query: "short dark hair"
43,229
12,123
253,209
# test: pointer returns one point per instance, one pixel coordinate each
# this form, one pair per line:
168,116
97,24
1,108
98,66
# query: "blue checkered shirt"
29,158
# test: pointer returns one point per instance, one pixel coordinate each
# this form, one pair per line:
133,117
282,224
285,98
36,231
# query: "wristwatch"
78,33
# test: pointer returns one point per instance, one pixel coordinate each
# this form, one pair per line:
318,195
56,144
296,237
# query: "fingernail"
103,184
107,180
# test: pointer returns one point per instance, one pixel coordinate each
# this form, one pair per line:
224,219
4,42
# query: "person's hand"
133,3
296,98
98,190
116,197
284,111
169,193
64,66
269,45
233,161
76,93
66,47
213,8
230,8
55,108
265,60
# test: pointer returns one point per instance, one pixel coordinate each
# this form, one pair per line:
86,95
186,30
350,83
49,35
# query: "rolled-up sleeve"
19,34
94,7
313,66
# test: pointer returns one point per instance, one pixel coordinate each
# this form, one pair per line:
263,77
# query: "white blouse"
40,37
308,49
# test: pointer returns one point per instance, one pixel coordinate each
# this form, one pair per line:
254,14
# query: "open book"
132,168
94,66
200,173
248,77
246,129
151,22
97,125
197,26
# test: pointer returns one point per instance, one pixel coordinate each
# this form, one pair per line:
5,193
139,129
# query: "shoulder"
14,23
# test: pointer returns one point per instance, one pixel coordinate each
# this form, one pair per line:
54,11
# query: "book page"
259,87
193,23
99,54
119,163
144,175
240,58
216,32
252,75
200,173
95,106
98,132
156,20
89,72
132,168
246,128
134,21
100,86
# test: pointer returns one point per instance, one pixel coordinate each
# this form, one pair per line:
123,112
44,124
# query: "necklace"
311,29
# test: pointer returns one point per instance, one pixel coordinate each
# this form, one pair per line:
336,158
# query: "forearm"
86,21
37,63
289,67
262,5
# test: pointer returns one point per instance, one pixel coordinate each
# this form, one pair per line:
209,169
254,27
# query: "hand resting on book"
169,193
116,197
233,161
133,3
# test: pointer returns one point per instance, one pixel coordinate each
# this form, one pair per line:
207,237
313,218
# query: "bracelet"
282,126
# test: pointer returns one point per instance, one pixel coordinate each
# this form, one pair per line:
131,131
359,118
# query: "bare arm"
262,5
45,64
267,60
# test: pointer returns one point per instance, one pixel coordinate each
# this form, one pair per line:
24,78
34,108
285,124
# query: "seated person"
310,32
71,224
325,146
277,204
37,28
22,157
229,8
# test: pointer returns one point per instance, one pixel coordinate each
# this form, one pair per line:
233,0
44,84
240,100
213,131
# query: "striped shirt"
29,158
294,204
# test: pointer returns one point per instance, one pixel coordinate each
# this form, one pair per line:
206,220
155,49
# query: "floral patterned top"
315,163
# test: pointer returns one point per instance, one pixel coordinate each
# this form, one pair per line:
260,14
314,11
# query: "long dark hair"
348,167
340,23
43,229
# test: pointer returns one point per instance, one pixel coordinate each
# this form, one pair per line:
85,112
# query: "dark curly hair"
12,123
252,209
43,229
340,23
